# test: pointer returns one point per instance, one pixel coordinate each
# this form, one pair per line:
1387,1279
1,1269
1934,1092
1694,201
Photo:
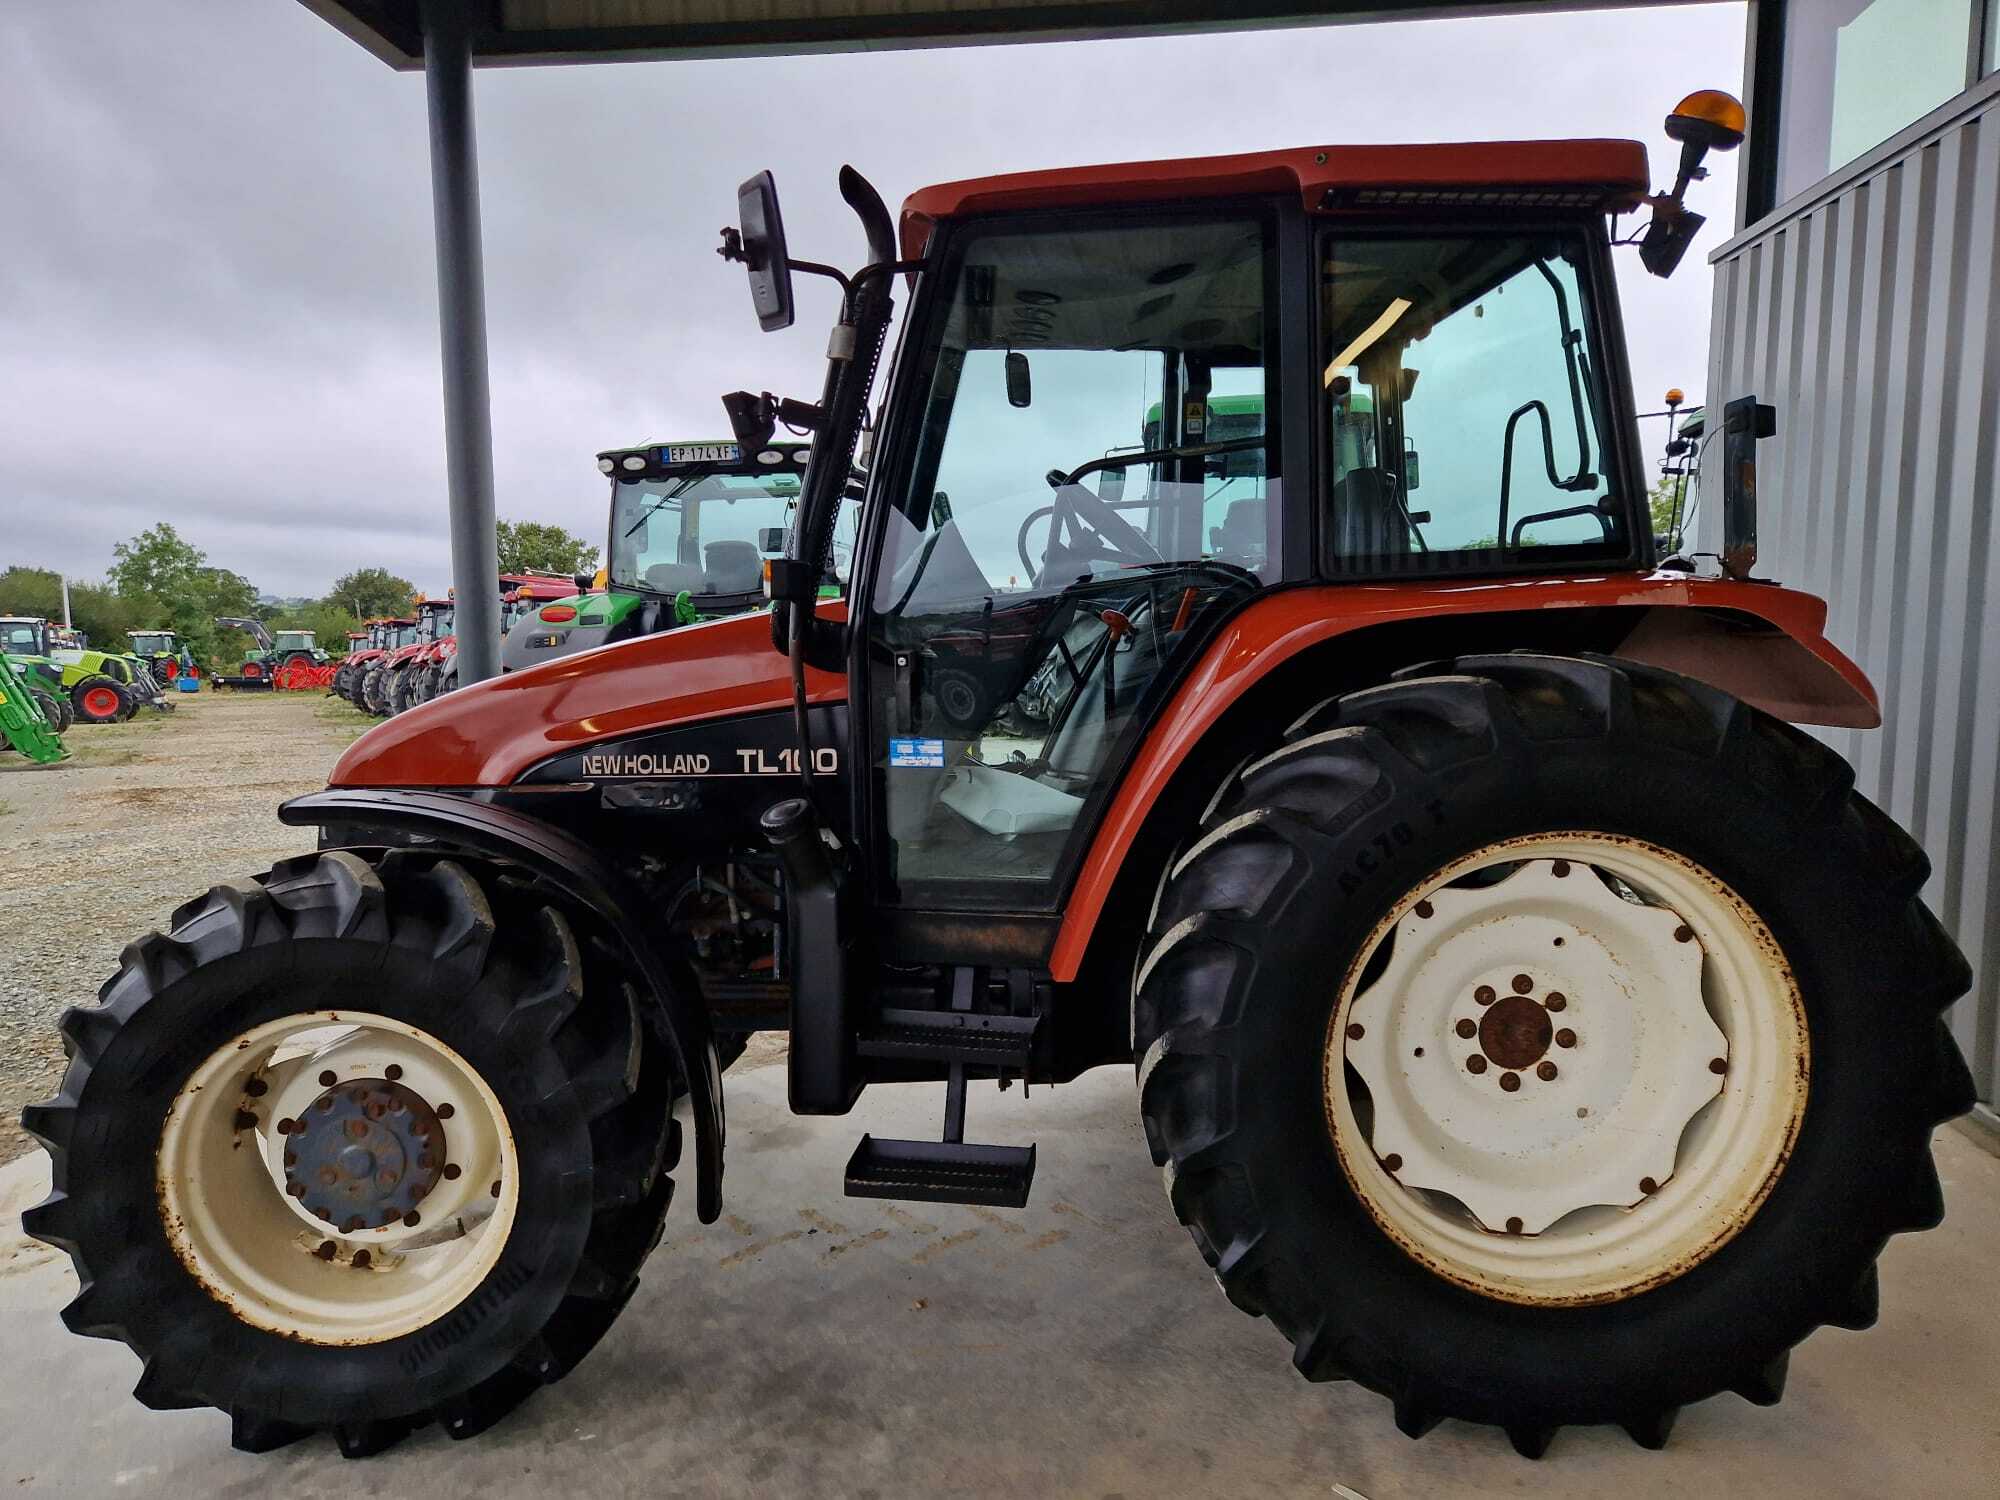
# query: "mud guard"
575,869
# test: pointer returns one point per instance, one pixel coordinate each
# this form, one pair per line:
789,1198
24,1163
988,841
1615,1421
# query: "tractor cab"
24,635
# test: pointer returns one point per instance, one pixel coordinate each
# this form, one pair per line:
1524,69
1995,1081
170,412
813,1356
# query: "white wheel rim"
229,1177
1604,1128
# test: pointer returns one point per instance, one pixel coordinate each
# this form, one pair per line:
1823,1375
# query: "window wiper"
673,494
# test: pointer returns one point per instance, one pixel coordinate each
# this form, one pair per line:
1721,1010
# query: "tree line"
161,581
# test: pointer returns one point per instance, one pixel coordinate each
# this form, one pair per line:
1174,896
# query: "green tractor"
164,652
30,716
94,686
691,527
271,654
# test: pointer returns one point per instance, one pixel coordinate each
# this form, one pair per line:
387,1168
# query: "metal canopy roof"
568,31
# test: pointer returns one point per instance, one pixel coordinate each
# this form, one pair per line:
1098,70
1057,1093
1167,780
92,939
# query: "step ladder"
948,1170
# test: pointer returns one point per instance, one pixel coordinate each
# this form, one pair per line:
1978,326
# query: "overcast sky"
218,298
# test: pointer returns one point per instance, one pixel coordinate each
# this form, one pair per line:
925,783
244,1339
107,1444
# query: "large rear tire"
426,1011
1390,1131
102,700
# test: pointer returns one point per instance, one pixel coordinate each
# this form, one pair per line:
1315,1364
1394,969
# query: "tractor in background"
402,669
270,654
691,527
164,653
97,687
365,684
31,717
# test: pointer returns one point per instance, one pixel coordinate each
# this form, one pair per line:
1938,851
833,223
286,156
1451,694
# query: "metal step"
941,1172
952,1036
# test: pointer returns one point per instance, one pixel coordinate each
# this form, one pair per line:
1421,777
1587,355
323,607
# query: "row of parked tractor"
51,677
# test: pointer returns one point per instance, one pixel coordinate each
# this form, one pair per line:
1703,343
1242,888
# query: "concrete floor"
813,1345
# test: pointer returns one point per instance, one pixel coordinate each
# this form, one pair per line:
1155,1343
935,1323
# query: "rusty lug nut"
385,1179
389,1216
412,1219
354,1222
420,1128
326,1250
1510,1082
357,1130
393,1072
1484,994
424,1162
1683,933
1648,1186
445,1111
1393,1162
418,1192
296,1189
245,1120
451,1171
1354,1034
1546,1071
1475,1064
1559,869
1565,1038
1514,1226
362,1260
1466,1028
256,1088
377,1109
1718,1065
328,1176
1522,984
1557,1000
285,1127
326,1104
328,1079
1425,909
291,1158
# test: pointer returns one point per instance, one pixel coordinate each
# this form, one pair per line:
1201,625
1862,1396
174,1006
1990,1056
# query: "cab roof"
1610,175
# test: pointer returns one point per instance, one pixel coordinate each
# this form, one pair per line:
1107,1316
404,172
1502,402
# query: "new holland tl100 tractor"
1531,1023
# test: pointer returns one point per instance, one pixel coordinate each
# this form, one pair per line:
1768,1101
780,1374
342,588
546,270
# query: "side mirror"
1410,472
583,581
1020,390
770,539
752,418
940,511
763,252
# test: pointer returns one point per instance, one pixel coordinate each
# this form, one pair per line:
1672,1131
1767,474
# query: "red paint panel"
1283,624
489,733
1618,167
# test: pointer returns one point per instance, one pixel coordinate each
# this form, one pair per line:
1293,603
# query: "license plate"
704,453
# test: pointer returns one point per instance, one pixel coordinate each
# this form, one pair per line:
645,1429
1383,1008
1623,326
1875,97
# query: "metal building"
1862,299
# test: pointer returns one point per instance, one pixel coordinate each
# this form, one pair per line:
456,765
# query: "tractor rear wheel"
100,700
1546,1040
358,1146
56,712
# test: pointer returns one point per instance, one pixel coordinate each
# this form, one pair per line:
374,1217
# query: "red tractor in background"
438,671
364,668
1530,1021
389,694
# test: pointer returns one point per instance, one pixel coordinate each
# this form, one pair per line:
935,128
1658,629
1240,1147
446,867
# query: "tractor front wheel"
100,700
1547,1041
358,1146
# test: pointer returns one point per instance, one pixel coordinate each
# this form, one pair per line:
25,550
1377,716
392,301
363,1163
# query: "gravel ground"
99,849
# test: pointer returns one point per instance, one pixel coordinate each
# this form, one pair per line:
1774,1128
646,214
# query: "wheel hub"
364,1154
1535,1045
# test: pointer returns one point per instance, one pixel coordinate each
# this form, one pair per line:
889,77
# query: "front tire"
102,700
1337,1124
427,1010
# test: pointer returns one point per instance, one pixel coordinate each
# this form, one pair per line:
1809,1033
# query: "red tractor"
402,669
520,592
1531,1023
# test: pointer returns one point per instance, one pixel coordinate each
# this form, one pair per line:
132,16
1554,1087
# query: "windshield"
21,637
152,643
294,640
699,533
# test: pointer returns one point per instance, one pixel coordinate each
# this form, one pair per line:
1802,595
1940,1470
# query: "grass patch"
344,717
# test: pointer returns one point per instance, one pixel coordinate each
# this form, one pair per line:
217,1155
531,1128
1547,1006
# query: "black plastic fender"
578,871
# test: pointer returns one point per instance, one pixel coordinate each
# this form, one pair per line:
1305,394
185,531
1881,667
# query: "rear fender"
1292,648
576,870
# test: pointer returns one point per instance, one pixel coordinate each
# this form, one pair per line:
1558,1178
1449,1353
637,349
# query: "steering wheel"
1090,523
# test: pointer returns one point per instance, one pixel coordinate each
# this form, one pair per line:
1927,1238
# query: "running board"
941,1172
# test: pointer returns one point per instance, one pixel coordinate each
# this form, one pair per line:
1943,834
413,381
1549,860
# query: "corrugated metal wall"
1868,313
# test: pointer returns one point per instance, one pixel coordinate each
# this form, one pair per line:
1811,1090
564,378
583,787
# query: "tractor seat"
734,568
1365,519
1240,537
672,578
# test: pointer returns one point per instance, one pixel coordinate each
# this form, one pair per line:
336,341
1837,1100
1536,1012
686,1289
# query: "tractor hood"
492,732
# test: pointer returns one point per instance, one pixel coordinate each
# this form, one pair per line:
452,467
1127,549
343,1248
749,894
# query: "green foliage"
370,593
527,546
94,609
168,584
328,620
1660,502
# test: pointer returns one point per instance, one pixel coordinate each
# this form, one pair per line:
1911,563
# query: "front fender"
575,869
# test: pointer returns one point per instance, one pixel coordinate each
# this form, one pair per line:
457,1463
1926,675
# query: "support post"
468,417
